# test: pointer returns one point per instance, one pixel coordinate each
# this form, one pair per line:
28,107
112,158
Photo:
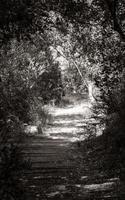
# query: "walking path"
54,172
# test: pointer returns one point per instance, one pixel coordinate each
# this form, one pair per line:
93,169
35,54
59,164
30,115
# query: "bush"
38,115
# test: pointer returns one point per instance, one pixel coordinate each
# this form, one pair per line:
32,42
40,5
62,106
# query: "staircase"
54,172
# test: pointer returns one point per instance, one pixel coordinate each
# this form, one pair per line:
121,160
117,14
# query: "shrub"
38,115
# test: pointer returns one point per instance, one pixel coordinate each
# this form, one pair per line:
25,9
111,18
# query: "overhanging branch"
76,66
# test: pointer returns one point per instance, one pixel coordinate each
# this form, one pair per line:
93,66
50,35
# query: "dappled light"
62,100
72,122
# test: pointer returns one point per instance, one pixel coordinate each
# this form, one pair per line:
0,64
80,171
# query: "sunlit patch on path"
70,122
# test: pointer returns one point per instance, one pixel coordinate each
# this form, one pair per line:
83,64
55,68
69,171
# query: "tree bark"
90,91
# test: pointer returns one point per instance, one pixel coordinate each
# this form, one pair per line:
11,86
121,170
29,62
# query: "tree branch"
75,64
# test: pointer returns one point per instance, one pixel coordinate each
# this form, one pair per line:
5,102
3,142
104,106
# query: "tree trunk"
90,91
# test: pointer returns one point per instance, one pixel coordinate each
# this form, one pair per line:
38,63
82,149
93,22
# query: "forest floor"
67,159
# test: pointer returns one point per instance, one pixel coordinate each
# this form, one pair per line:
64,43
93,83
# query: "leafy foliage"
89,35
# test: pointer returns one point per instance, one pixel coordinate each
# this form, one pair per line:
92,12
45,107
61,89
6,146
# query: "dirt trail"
54,172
